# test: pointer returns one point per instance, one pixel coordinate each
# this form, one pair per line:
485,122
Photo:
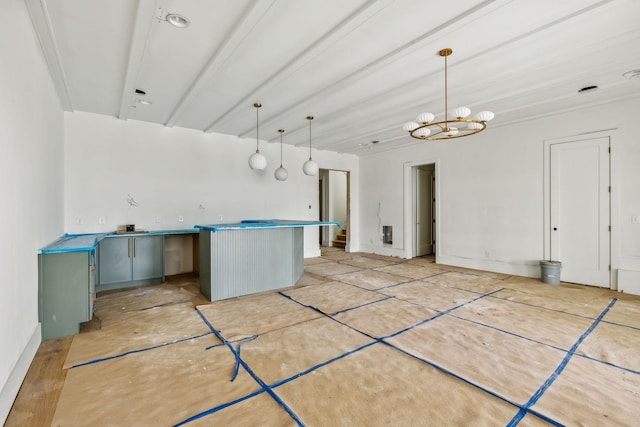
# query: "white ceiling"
362,68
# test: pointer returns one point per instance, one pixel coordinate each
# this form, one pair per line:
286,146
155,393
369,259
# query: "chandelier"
426,128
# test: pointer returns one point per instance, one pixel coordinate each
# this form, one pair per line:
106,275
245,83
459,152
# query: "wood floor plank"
38,397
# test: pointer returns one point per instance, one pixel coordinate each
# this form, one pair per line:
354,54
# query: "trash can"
551,272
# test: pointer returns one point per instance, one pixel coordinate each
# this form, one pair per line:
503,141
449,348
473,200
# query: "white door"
424,221
579,190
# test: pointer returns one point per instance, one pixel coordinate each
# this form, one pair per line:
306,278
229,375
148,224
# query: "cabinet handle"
134,247
128,248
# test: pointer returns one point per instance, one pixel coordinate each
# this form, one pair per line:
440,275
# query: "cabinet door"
114,260
148,257
63,293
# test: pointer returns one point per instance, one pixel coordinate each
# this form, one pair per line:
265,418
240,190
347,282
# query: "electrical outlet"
635,219
102,220
180,218
220,217
78,221
158,218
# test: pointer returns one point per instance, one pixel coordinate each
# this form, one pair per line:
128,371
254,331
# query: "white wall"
31,183
490,190
172,172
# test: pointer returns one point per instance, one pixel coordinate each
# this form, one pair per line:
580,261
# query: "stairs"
341,239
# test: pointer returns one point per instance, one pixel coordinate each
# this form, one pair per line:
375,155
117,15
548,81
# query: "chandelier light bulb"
484,116
461,112
425,118
411,126
422,132
452,131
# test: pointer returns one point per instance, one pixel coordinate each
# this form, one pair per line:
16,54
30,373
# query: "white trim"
613,196
408,191
16,377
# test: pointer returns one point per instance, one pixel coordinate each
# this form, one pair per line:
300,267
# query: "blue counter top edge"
271,223
88,242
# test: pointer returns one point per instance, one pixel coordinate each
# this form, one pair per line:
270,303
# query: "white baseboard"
629,281
504,267
382,250
16,377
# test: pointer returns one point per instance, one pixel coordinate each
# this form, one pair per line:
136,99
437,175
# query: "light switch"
635,219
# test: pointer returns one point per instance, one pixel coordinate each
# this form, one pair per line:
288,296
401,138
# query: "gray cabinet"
66,289
126,261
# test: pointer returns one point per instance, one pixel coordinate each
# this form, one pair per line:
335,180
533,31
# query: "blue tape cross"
237,354
544,387
263,387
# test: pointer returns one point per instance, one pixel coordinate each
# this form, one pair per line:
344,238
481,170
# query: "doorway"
335,206
578,200
425,210
421,208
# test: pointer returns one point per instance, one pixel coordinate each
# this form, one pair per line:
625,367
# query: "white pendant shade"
461,112
257,161
425,118
423,132
310,168
411,126
484,116
281,174
452,132
474,126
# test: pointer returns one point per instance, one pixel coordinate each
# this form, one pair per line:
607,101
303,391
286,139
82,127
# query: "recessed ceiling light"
363,144
375,142
178,20
144,101
633,74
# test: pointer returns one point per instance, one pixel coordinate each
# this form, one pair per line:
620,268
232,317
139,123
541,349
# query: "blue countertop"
266,223
88,242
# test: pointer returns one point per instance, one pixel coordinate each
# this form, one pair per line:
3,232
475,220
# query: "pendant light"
281,173
257,160
310,167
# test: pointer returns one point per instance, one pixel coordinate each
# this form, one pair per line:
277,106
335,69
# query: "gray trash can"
551,272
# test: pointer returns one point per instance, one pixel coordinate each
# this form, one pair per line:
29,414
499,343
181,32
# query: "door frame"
409,211
613,197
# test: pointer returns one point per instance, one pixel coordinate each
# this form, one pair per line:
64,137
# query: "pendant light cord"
310,118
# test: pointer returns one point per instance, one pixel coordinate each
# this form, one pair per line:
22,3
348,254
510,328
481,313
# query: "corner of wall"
18,373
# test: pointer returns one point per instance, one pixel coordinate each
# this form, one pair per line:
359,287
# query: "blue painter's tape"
248,224
359,306
238,346
253,375
117,356
442,313
219,408
545,386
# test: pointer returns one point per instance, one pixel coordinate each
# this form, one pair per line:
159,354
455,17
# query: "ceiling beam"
42,25
244,26
344,27
145,17
384,60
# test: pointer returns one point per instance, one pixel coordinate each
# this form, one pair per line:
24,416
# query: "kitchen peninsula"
251,256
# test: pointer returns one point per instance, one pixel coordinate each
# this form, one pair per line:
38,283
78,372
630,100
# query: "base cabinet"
126,261
66,290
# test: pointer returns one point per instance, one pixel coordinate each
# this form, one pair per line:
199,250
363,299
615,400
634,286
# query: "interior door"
424,238
579,203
